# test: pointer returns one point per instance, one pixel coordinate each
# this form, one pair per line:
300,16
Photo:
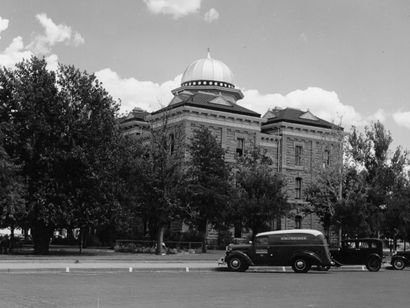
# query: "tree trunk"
81,240
204,235
41,238
159,249
25,233
70,234
11,242
339,235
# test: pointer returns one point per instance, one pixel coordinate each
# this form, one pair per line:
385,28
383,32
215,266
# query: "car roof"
294,231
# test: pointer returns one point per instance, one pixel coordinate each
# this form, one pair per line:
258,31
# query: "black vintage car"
300,248
400,260
364,251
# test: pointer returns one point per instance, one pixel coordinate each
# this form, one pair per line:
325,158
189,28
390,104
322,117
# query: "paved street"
386,288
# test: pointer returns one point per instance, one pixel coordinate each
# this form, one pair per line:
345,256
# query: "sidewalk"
68,260
108,260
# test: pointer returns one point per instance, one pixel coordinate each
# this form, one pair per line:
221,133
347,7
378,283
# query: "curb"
180,269
68,270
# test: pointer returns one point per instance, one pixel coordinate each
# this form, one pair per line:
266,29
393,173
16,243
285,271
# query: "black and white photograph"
204,153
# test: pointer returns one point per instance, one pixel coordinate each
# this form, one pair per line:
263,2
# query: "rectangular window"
326,158
298,155
298,188
239,146
298,222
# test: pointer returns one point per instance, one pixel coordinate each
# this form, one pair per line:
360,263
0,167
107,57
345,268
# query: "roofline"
329,126
142,120
237,92
216,108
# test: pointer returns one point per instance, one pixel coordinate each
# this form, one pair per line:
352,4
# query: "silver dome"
208,69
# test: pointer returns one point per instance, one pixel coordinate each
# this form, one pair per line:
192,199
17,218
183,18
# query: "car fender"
310,255
239,253
398,257
374,255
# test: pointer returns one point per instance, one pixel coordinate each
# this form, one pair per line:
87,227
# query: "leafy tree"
259,192
350,211
207,182
397,216
92,147
63,138
367,181
370,152
327,189
324,193
397,209
12,192
159,177
130,169
12,188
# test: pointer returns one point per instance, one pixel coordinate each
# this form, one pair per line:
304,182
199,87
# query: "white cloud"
176,8
147,95
303,37
379,115
211,15
14,53
52,62
53,34
41,44
402,118
152,96
4,23
78,39
322,103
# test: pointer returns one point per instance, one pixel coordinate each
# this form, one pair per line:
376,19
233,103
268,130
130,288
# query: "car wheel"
398,264
300,265
373,264
237,264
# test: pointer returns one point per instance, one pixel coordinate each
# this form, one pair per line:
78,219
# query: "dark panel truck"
300,248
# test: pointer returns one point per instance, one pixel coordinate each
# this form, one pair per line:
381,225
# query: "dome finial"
209,53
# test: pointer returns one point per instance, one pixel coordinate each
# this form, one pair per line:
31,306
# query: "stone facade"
297,141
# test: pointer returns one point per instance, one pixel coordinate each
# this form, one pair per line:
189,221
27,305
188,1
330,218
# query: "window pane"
298,155
298,188
239,146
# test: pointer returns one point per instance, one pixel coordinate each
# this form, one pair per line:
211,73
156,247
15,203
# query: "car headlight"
228,248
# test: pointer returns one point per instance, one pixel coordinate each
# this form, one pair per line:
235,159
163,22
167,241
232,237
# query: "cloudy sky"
344,60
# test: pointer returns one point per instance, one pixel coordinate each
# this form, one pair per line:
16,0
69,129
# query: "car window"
262,240
349,245
363,245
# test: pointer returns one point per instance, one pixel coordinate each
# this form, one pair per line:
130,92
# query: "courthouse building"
298,142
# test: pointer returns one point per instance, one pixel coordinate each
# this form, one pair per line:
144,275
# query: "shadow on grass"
63,251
